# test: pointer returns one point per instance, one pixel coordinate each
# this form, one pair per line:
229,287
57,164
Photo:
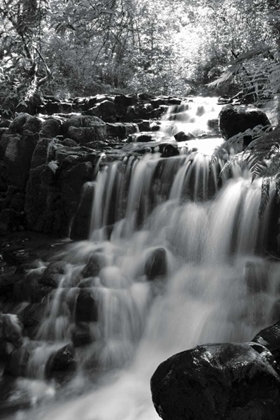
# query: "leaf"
265,195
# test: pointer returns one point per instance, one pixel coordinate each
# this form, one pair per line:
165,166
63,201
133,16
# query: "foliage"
83,47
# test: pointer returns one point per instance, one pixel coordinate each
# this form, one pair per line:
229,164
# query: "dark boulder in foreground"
218,382
270,338
238,119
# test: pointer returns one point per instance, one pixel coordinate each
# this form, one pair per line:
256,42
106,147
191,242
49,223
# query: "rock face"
46,160
217,382
238,119
270,338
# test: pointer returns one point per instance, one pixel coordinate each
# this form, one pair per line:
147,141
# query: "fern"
265,195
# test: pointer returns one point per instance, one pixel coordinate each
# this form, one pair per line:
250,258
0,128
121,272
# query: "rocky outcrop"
218,382
46,160
237,119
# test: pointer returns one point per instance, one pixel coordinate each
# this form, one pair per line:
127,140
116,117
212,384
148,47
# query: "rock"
11,329
24,121
7,282
270,338
50,128
168,150
14,199
27,289
82,335
32,317
41,153
53,274
124,101
79,121
181,136
61,360
155,126
142,137
156,264
71,182
217,382
82,219
17,157
237,119
17,362
105,110
86,306
93,267
121,130
84,135
42,204
69,143
214,125
11,220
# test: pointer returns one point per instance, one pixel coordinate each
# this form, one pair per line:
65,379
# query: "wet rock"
216,382
82,219
156,264
93,266
50,128
14,199
168,150
270,338
125,100
142,137
27,289
69,143
3,130
32,317
11,220
53,274
155,126
3,176
214,125
62,360
181,136
11,329
105,110
24,121
237,119
86,306
82,335
17,157
82,121
121,130
84,135
256,277
143,125
41,153
7,282
42,204
17,363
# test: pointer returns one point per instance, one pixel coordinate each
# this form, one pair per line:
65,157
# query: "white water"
215,289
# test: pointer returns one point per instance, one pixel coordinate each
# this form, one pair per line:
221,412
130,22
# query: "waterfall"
173,260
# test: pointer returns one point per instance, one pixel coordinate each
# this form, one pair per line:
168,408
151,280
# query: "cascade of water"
172,261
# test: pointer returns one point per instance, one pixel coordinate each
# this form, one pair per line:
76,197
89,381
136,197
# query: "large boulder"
237,119
270,338
156,264
43,202
217,382
17,151
105,110
84,128
86,306
82,219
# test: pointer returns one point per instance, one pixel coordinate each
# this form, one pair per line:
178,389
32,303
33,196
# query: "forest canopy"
82,47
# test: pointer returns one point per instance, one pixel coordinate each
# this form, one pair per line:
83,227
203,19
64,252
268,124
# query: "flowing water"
178,249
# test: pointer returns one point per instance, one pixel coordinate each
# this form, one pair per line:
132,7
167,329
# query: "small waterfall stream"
173,260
